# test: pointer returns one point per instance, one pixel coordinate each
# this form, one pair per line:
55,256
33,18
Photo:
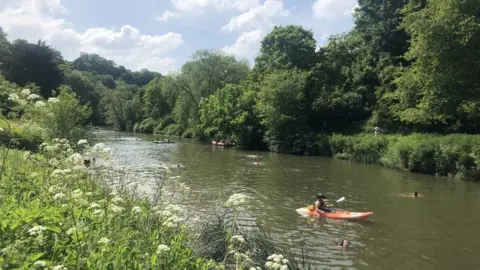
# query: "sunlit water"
438,231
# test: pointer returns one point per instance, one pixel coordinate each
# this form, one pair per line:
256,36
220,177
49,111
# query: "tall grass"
455,155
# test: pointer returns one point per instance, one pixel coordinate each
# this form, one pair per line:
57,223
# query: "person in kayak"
320,204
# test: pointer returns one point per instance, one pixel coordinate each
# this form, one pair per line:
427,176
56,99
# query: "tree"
441,89
284,111
35,63
89,91
202,76
5,50
230,114
155,103
286,47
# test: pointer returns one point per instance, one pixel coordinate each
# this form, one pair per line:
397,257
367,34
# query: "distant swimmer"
412,195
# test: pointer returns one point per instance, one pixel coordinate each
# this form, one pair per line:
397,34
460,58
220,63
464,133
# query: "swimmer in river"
344,244
412,195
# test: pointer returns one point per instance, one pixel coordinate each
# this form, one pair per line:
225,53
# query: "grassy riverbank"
57,213
454,155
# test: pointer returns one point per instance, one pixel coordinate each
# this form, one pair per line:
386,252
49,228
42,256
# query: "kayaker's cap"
320,195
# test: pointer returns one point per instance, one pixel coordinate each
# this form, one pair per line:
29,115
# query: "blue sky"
162,34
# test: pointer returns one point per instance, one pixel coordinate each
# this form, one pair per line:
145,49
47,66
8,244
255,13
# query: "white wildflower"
117,200
36,230
98,147
40,264
94,206
268,265
59,267
276,265
277,259
284,267
76,193
238,238
285,261
82,141
59,196
78,168
98,213
107,150
161,249
53,189
136,209
53,100
1,129
164,213
39,104
116,208
104,241
75,159
26,92
33,97
89,194
72,230
13,97
236,200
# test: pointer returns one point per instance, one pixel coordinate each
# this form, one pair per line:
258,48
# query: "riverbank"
58,212
455,155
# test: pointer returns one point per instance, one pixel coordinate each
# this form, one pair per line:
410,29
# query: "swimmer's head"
344,243
415,193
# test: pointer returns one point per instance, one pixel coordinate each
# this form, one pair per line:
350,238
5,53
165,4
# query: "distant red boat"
222,143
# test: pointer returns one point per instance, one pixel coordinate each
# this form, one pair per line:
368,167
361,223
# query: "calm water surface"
439,231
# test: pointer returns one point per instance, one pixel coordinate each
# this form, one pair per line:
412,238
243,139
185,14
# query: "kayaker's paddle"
341,199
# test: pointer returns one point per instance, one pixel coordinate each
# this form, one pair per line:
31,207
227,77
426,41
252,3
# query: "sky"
161,35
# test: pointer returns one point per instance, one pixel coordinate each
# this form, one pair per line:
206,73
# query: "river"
437,231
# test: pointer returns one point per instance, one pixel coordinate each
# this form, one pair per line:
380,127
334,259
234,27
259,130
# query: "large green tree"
441,89
34,63
286,47
230,114
202,76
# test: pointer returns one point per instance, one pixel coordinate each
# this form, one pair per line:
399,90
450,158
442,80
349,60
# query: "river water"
438,231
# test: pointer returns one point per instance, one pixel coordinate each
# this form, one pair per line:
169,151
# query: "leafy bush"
454,155
27,136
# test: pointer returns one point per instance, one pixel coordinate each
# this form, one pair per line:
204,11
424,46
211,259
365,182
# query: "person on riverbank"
320,204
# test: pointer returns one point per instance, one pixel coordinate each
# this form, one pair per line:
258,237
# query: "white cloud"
192,8
257,17
167,15
247,44
34,19
255,24
219,5
333,9
162,65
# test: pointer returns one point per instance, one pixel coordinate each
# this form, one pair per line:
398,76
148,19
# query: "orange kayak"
304,211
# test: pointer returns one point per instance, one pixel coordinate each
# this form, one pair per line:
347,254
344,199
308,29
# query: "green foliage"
66,219
230,114
441,87
22,136
286,47
62,116
33,63
452,155
283,108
